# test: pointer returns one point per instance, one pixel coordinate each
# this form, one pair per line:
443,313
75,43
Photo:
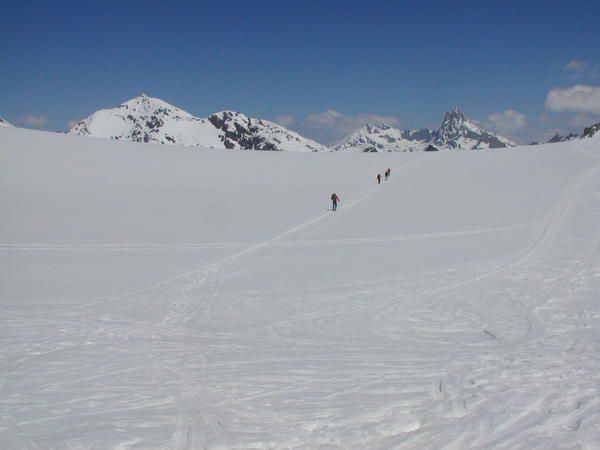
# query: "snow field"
160,297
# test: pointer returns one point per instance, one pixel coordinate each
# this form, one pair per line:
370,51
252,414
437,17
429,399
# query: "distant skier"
387,174
378,178
334,201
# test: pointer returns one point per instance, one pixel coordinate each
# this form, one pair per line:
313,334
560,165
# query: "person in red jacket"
334,201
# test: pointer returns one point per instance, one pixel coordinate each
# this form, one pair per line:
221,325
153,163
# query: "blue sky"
319,67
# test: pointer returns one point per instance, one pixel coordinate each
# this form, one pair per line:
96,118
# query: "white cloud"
578,98
578,69
331,125
507,122
584,120
576,66
35,121
285,120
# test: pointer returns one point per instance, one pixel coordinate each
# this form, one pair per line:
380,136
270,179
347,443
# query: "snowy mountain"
5,123
242,132
458,132
384,137
455,132
559,138
147,119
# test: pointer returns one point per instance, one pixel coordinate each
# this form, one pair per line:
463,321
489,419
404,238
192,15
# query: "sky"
524,69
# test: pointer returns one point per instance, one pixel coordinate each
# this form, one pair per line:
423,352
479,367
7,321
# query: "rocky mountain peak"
454,125
592,131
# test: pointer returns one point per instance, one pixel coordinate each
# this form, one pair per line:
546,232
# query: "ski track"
373,395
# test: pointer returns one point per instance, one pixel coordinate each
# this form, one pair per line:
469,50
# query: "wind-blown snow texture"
456,132
147,119
202,299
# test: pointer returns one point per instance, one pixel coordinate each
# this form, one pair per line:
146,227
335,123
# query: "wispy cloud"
578,99
331,125
508,121
578,69
584,120
576,66
34,121
285,120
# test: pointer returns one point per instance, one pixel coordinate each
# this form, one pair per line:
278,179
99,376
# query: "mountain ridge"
456,132
147,119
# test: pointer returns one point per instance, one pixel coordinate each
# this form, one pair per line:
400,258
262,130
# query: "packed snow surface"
154,299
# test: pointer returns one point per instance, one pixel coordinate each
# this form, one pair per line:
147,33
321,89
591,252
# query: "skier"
334,201
387,174
378,178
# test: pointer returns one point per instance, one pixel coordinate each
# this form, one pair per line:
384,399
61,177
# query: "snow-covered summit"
5,123
147,119
455,132
458,132
385,138
243,132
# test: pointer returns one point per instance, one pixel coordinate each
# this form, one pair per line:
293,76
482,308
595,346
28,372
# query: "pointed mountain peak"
454,116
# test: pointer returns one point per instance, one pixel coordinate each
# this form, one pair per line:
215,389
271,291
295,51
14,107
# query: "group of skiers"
387,175
335,199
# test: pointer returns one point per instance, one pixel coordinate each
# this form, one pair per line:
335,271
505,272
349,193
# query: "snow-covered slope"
147,119
5,123
159,299
242,132
455,132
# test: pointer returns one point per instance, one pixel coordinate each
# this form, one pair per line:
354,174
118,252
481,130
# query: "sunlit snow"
172,298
